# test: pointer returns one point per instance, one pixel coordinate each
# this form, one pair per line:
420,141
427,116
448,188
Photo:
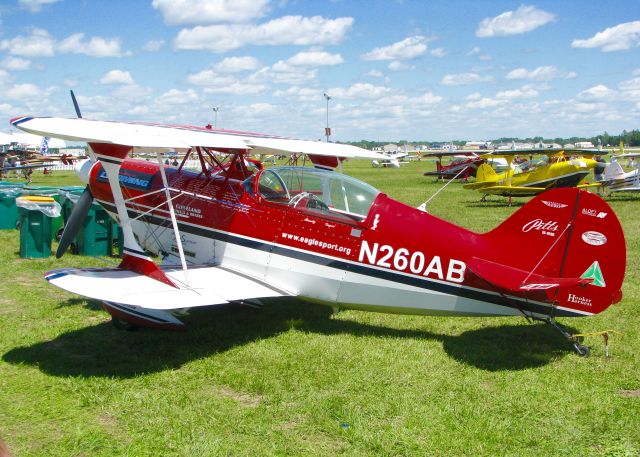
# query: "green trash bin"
118,237
36,214
46,191
8,208
68,197
95,238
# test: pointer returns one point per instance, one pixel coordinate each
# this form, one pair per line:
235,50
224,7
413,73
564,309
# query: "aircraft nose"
83,169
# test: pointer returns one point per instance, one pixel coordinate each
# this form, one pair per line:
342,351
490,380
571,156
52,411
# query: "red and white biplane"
236,231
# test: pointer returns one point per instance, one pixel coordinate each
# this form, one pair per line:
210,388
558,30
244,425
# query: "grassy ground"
291,379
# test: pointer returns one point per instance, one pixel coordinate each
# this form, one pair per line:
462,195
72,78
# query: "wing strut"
174,222
133,258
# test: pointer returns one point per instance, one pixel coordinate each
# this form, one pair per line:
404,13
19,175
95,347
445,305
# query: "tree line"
630,138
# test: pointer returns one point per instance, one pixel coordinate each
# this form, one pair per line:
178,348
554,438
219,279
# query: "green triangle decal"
594,272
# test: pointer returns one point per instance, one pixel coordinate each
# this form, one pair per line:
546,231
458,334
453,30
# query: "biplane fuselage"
357,248
237,231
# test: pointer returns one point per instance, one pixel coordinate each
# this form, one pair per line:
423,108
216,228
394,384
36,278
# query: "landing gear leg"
582,350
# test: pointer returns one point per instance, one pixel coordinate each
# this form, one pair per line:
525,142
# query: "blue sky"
435,70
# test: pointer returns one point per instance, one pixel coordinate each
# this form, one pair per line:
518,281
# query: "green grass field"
292,379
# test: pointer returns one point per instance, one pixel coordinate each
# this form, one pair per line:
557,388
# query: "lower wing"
204,286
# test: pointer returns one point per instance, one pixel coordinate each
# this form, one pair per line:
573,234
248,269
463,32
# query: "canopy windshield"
329,190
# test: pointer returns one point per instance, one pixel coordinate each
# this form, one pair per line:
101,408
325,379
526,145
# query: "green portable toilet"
95,238
36,214
8,208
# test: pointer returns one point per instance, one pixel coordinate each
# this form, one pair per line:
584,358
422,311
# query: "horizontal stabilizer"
207,286
516,280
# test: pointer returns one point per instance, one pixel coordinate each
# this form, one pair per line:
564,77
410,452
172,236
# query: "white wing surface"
141,135
207,286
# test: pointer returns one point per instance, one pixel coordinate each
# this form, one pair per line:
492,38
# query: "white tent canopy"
29,140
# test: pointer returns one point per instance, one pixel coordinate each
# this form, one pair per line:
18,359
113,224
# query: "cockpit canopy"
319,190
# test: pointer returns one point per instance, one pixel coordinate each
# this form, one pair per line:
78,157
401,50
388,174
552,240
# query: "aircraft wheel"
583,351
59,233
121,324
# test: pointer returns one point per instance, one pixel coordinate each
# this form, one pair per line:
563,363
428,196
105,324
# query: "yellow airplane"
555,168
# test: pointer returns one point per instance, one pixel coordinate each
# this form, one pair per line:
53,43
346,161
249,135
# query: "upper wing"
207,286
180,137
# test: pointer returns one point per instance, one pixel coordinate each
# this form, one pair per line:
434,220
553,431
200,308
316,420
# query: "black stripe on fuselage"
423,283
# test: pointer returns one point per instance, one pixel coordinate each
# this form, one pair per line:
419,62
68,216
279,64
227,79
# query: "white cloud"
286,30
484,103
588,108
23,91
282,72
523,20
237,88
428,98
598,92
15,64
398,65
5,76
237,64
95,47
38,44
315,59
178,12
305,94
216,83
407,49
209,77
630,89
376,74
132,93
526,91
153,45
474,96
463,79
438,52
117,77
630,84
546,73
35,6
360,91
175,97
261,109
618,38
41,44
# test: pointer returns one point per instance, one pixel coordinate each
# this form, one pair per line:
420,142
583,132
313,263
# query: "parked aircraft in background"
553,168
615,179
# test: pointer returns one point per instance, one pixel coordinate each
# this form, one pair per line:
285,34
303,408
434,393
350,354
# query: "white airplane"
615,179
394,160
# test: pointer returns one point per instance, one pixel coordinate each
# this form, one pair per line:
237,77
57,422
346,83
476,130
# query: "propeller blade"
76,219
75,104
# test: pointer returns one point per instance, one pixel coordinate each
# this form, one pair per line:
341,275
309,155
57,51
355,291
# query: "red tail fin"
566,233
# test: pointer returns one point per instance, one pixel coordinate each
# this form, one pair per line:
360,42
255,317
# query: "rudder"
566,233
